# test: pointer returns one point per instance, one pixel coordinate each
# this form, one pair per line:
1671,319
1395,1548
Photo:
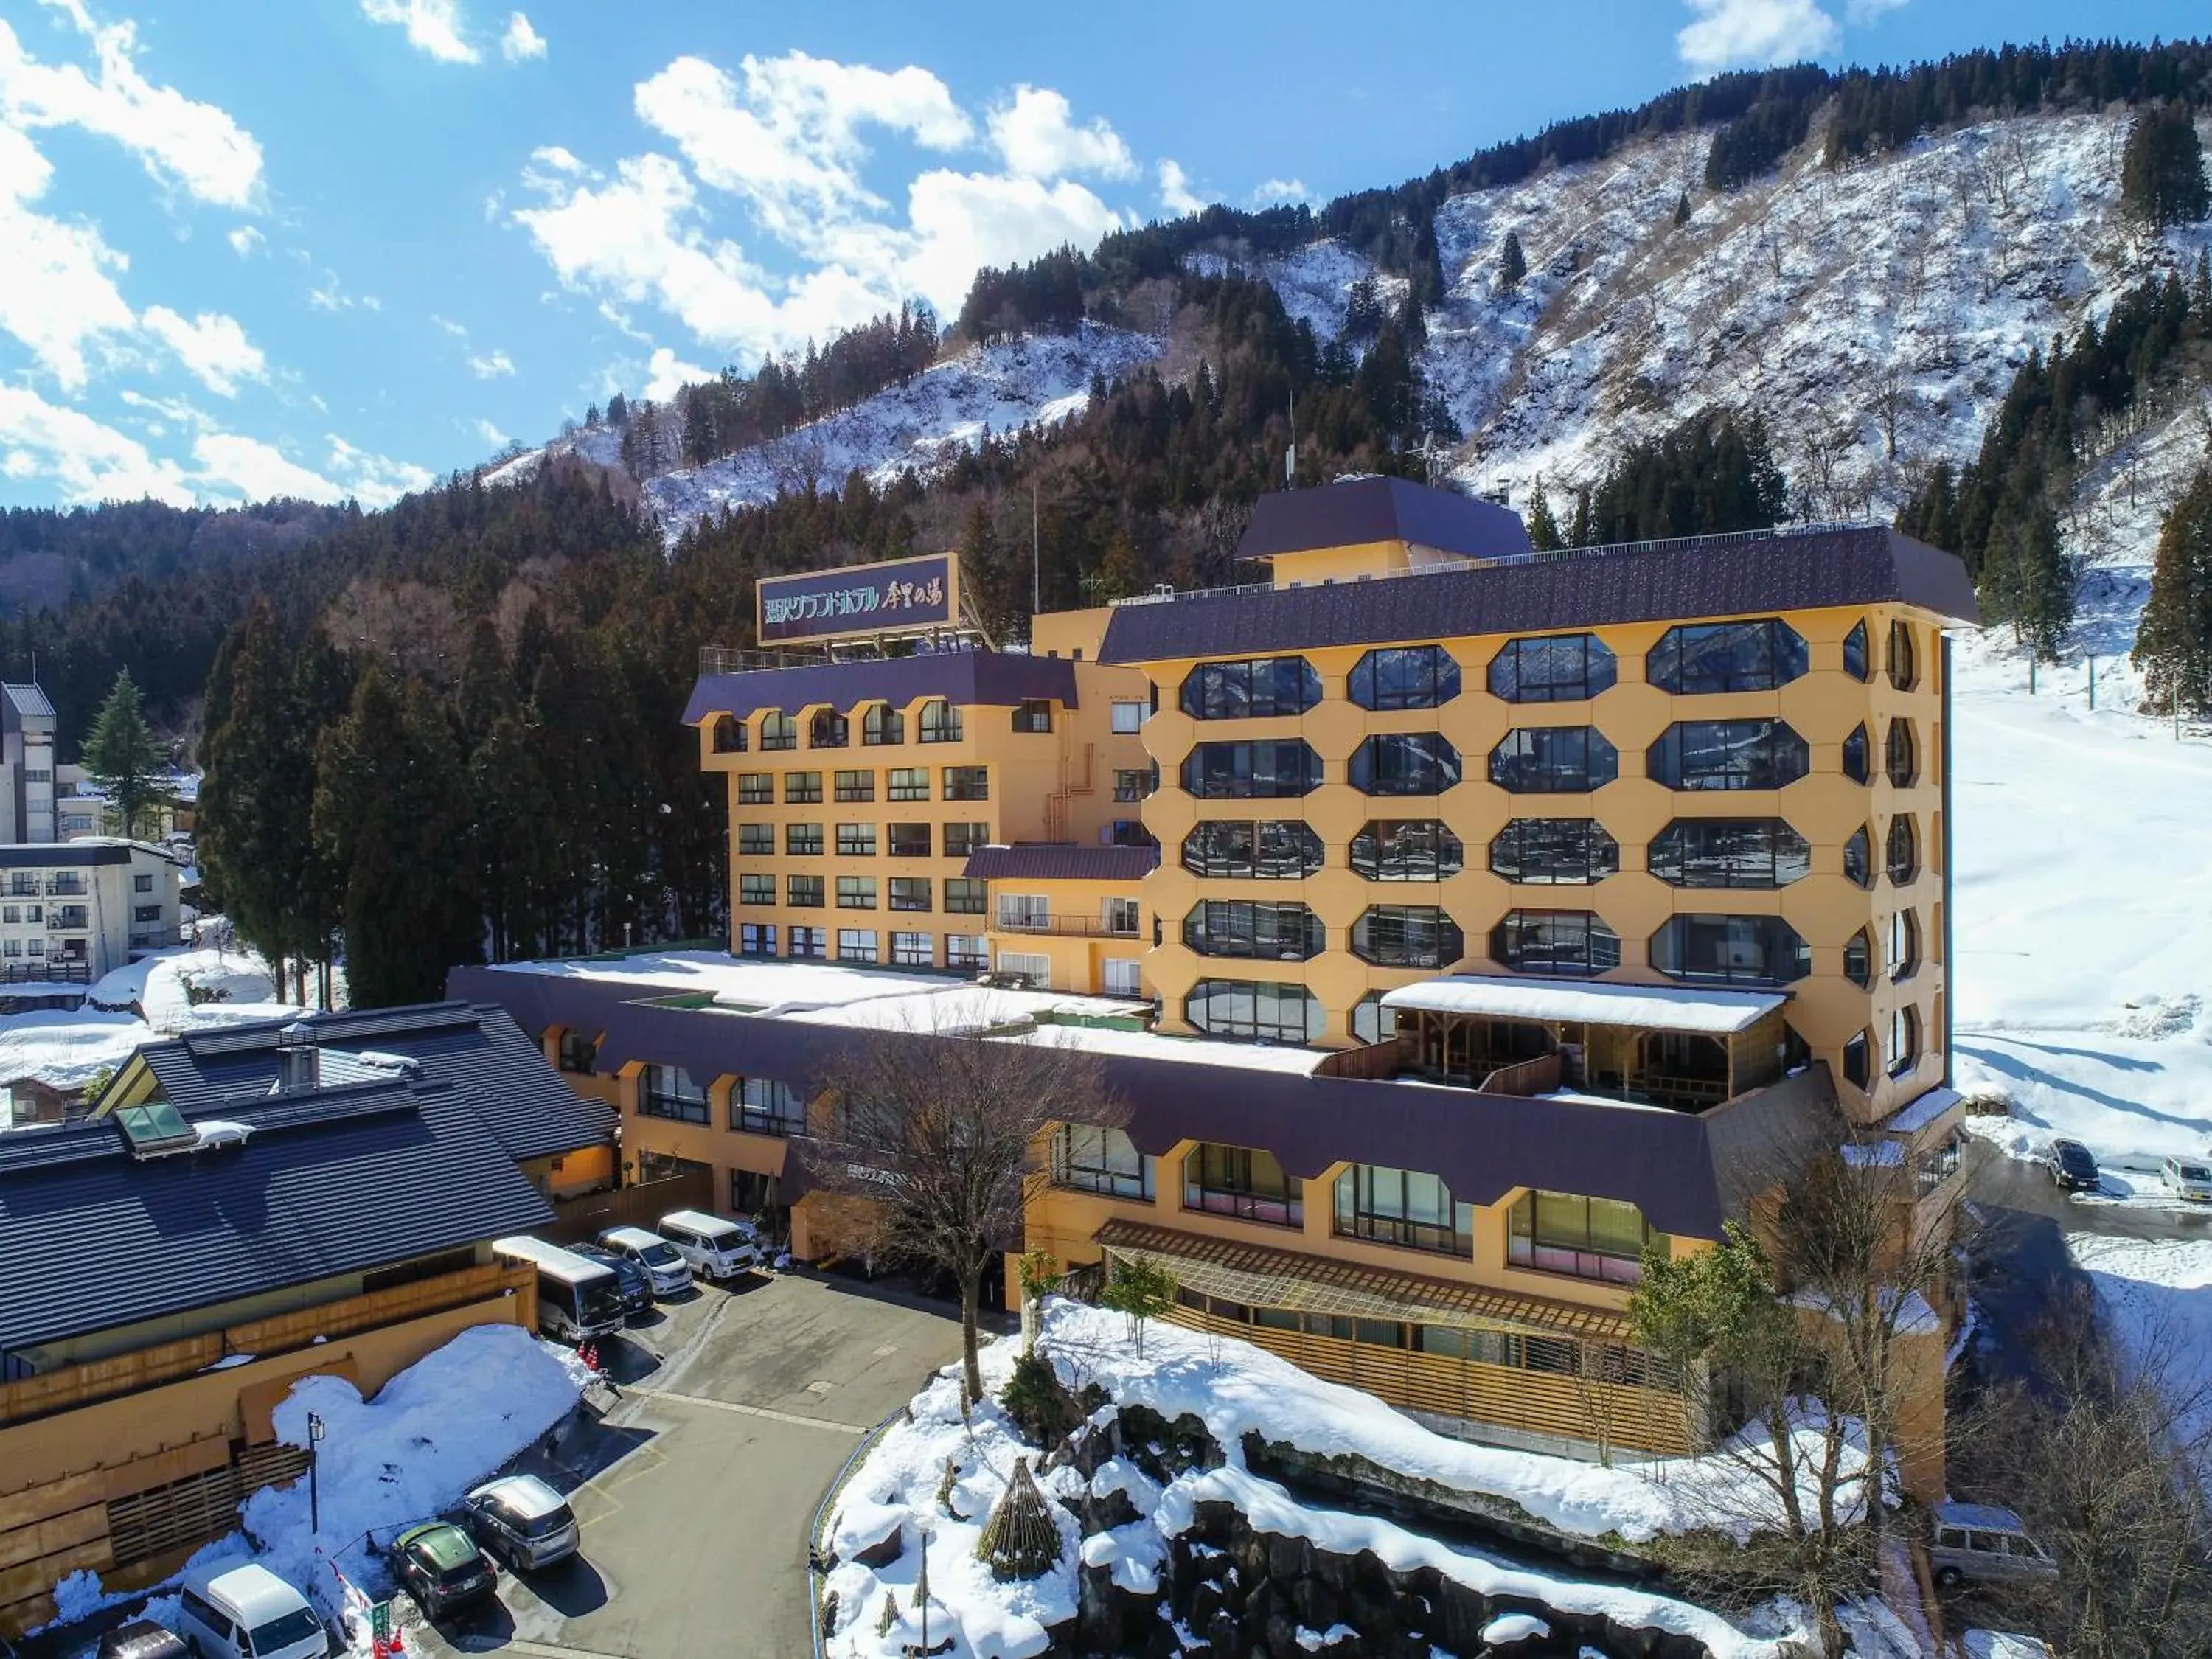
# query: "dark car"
142,1639
632,1282
2070,1165
440,1566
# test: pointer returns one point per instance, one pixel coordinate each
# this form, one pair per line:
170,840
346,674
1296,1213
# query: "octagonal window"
1555,942
1562,668
1245,771
1404,677
1554,852
1273,849
1729,853
1762,754
1405,763
1699,657
1407,936
1407,849
1249,689
1246,927
1903,850
1554,760
1731,950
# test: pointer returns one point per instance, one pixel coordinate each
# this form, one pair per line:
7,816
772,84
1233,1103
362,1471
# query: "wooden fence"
584,1217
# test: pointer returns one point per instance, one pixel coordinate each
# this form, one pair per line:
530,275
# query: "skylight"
155,1130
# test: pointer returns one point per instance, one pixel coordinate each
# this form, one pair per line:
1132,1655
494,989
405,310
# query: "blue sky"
337,248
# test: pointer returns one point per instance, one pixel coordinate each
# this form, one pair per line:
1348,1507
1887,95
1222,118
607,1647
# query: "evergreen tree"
122,756
1512,265
1543,529
618,410
2029,583
1121,572
1682,209
2162,170
2173,645
254,798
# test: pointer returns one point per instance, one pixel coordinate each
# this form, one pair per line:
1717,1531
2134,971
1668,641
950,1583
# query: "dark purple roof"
1787,570
1062,860
1354,511
1685,1172
961,677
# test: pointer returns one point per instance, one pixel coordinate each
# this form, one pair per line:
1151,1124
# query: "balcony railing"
1065,927
65,886
68,921
52,969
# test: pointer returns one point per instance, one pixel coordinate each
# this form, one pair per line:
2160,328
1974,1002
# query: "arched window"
1903,1039
1701,658
1904,861
1904,946
1554,852
1858,959
729,734
1728,755
1729,853
1405,763
1554,760
1858,763
1904,671
1901,754
1855,651
1858,858
882,724
1563,668
1404,677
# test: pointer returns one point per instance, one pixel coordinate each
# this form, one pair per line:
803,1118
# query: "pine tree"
2162,170
1512,264
1682,209
618,410
1543,529
2173,645
122,756
1122,571
253,816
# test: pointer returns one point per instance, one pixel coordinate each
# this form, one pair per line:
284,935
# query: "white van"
247,1612
670,1272
713,1246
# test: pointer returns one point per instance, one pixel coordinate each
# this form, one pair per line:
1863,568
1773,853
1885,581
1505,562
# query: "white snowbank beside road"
2157,1294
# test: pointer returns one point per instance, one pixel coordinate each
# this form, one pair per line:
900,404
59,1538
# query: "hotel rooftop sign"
898,596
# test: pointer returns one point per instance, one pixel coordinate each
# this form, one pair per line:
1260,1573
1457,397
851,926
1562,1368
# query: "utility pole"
314,1456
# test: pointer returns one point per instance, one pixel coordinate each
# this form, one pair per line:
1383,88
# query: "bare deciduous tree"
939,1130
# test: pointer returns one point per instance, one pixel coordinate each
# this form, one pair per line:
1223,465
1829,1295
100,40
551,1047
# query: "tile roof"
1786,570
1353,512
963,678
1061,861
338,1182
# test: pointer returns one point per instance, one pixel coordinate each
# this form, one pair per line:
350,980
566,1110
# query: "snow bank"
65,1049
2157,1293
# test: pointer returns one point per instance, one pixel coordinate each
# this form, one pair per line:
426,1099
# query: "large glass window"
1901,754
910,893
1404,677
1033,714
963,839
1903,1039
1091,1159
1904,670
802,788
1904,945
803,893
856,892
829,730
854,785
909,783
882,724
909,841
1241,1181
941,722
1857,765
1402,1206
1257,1009
1241,928
1407,849
1405,763
856,840
1371,1021
1554,760
1554,852
1858,858
1731,950
912,950
1565,668
1858,1061
755,938
1250,771
967,783
856,944
1272,849
1598,1238
1903,850
756,841
729,735
967,952
1407,936
671,1091
809,944
803,841
1857,663
1734,656
756,890
965,897
779,730
1728,755
1555,942
766,1106
1729,853
755,788
1242,690
1859,958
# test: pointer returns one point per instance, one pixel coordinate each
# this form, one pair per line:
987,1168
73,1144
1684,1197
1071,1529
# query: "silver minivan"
663,1263
1981,1541
715,1247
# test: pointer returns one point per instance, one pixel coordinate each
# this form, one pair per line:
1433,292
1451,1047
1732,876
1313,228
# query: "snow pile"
2157,1295
1232,1386
65,1049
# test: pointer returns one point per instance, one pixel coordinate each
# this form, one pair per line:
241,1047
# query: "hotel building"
1639,852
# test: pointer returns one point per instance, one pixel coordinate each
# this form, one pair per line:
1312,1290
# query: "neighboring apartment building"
1641,851
71,911
250,1205
26,764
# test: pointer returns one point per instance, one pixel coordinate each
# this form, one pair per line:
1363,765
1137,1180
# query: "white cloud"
962,221
1726,33
432,25
176,139
1175,193
330,294
88,461
1037,135
57,295
520,41
560,160
668,373
374,480
1271,193
458,330
1860,12
786,139
211,345
232,463
491,365
247,241
490,433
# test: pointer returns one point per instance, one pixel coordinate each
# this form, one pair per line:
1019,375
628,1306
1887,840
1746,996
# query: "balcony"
1065,926
69,919
65,887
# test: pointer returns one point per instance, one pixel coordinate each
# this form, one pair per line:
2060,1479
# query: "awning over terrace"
1592,1002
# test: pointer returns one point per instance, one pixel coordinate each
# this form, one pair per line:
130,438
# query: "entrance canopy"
1654,1007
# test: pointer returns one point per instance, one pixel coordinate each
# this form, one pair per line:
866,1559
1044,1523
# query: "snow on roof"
757,985
1922,1112
954,1006
1666,1007
1183,1051
220,1131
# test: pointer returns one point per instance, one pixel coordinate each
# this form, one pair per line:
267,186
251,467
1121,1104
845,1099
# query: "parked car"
714,1246
2186,1177
142,1639
1983,1542
636,1284
519,1518
2071,1166
441,1567
671,1274
247,1612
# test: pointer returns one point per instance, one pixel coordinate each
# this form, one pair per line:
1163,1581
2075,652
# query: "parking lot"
695,1490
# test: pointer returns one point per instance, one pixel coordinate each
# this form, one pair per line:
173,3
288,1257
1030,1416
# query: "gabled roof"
965,678
1353,512
327,1182
1061,861
475,1050
28,700
1752,576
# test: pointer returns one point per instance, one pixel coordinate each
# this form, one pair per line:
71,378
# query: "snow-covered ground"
2157,1296
409,1454
1231,1386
